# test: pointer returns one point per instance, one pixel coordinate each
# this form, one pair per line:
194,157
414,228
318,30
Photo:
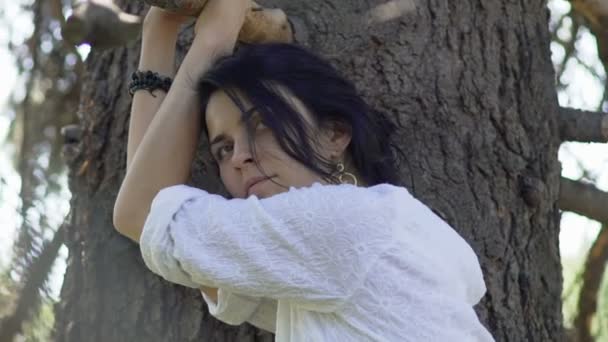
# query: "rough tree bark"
473,86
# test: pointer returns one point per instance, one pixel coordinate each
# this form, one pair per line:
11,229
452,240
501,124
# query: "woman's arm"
159,35
235,309
313,246
167,148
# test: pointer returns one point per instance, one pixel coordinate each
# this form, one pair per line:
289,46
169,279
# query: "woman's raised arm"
164,156
159,35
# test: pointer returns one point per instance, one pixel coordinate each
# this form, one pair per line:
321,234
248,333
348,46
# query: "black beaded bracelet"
148,80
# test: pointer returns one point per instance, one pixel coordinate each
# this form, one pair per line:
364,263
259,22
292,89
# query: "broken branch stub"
261,24
584,199
102,24
582,126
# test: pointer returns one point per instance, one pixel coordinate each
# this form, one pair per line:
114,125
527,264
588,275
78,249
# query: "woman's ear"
338,136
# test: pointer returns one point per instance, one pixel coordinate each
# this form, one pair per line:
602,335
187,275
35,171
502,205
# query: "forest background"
41,74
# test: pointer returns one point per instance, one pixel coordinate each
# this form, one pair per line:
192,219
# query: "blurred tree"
582,197
50,72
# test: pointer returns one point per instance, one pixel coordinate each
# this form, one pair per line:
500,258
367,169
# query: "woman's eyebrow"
221,137
218,139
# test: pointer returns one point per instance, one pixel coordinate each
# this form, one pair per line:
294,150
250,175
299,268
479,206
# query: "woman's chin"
265,192
260,194
263,189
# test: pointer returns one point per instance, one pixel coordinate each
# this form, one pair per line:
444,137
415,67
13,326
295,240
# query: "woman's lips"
252,186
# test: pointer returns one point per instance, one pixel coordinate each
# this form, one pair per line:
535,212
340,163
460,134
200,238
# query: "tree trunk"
473,85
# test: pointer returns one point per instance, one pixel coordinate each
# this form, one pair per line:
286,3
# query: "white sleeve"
312,246
233,308
265,316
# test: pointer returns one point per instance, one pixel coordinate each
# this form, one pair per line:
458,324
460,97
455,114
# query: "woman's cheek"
230,183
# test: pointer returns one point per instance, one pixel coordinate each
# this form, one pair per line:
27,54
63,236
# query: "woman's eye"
219,155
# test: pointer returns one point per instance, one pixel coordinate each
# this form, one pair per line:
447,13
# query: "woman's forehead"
222,112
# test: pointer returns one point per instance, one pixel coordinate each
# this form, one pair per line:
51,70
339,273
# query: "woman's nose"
241,154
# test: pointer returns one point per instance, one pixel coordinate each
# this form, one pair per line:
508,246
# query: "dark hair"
256,70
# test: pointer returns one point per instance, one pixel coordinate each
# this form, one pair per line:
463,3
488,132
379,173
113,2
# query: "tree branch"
600,106
584,199
102,24
596,14
588,67
583,126
592,279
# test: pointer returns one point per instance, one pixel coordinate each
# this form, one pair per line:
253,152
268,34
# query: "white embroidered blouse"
322,263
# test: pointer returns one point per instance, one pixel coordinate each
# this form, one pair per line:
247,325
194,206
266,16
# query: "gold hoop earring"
342,174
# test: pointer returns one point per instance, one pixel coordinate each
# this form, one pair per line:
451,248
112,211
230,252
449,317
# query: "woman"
314,244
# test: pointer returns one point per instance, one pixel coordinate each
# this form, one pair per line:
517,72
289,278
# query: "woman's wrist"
159,29
158,52
161,35
200,57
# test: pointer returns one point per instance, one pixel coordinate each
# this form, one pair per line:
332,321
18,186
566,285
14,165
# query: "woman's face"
229,145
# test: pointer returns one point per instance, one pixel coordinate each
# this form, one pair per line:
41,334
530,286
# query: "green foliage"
8,294
40,328
571,271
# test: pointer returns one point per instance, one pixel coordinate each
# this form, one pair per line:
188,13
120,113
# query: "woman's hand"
216,32
159,36
221,21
